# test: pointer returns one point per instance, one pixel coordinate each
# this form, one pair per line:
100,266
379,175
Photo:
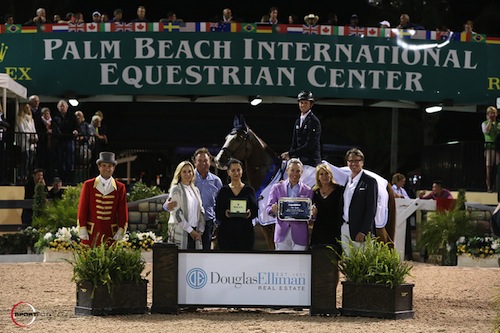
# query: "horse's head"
236,144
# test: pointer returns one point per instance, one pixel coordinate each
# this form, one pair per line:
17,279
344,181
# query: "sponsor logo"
23,314
3,51
196,278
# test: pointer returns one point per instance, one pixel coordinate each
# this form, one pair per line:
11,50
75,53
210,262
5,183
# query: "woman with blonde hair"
26,139
327,211
187,221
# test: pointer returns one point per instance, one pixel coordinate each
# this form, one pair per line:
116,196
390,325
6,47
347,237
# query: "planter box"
376,300
467,261
127,298
56,256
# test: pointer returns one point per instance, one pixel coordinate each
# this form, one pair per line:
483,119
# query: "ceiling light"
73,102
433,108
256,100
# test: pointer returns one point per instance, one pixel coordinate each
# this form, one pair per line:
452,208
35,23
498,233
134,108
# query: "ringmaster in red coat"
102,210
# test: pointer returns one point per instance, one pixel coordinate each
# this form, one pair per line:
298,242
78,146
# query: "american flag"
76,27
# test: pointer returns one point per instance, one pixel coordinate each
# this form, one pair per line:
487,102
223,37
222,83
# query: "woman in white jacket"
187,222
26,139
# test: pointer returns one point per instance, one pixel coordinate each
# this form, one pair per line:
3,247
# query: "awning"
11,89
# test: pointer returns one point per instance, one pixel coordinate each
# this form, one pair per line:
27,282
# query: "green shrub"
107,265
373,262
142,191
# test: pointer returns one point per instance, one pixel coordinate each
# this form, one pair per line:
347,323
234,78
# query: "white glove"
119,234
83,233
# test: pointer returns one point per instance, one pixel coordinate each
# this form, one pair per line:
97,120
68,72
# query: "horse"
264,168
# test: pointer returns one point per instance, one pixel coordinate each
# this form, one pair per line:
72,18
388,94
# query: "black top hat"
106,157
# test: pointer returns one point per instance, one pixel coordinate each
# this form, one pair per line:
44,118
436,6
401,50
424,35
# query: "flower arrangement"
478,247
64,239
140,240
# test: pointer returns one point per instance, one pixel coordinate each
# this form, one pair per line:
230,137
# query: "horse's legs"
268,231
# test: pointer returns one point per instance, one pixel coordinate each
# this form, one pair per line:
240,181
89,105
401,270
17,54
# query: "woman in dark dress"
326,211
236,230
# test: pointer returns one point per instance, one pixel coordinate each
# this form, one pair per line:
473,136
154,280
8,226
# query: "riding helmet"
305,95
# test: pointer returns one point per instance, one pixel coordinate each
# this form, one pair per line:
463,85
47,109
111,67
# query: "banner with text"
152,63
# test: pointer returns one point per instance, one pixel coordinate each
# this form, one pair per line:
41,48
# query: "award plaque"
237,208
294,209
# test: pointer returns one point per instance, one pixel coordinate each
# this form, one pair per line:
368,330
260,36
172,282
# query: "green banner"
152,63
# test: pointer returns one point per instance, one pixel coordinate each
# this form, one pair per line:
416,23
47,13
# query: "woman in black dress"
326,211
236,230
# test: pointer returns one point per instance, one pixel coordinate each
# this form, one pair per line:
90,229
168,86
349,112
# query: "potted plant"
374,283
58,245
109,280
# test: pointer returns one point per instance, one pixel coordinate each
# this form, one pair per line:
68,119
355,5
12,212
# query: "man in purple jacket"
289,235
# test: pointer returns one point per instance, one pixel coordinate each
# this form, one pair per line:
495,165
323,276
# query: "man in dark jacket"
306,133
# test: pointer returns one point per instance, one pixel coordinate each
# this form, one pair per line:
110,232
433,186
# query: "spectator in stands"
26,139
9,19
438,192
56,191
311,19
104,18
79,18
29,193
227,16
45,153
469,27
66,123
332,19
405,23
141,15
56,18
273,15
491,130
4,126
99,138
117,16
96,17
354,21
385,24
39,19
293,19
398,183
264,18
69,18
171,17
82,139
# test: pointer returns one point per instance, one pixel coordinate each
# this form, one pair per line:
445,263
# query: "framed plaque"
294,209
237,208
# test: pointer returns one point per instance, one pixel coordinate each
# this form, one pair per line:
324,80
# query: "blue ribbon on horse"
269,176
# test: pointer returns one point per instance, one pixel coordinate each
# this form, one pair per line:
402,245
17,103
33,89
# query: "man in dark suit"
359,201
306,133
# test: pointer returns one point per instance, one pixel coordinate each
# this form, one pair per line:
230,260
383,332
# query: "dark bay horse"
261,163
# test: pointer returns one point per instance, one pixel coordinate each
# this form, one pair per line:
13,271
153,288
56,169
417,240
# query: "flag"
29,29
2,28
373,32
76,27
60,28
13,28
478,38
45,28
294,29
91,27
310,29
492,40
249,27
106,27
171,27
220,27
187,26
338,30
202,26
405,33
264,28
154,26
325,29
356,31
420,34
122,27
140,26
465,37
235,27
280,28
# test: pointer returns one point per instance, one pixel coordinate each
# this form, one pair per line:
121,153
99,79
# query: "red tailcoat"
102,214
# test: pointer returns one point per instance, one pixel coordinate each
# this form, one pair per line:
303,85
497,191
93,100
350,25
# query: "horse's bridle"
243,137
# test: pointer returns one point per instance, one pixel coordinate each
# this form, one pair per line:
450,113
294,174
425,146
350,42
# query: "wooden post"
165,278
325,277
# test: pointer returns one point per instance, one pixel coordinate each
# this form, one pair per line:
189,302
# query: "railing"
68,157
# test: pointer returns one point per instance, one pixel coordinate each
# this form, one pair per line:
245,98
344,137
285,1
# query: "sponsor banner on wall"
245,279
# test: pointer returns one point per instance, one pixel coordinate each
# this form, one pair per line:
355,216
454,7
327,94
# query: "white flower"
461,240
48,236
495,244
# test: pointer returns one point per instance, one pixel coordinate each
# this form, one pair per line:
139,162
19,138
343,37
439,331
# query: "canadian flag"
325,29
91,27
140,26
372,32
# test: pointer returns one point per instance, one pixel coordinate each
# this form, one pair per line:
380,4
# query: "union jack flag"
310,29
356,31
76,27
124,27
